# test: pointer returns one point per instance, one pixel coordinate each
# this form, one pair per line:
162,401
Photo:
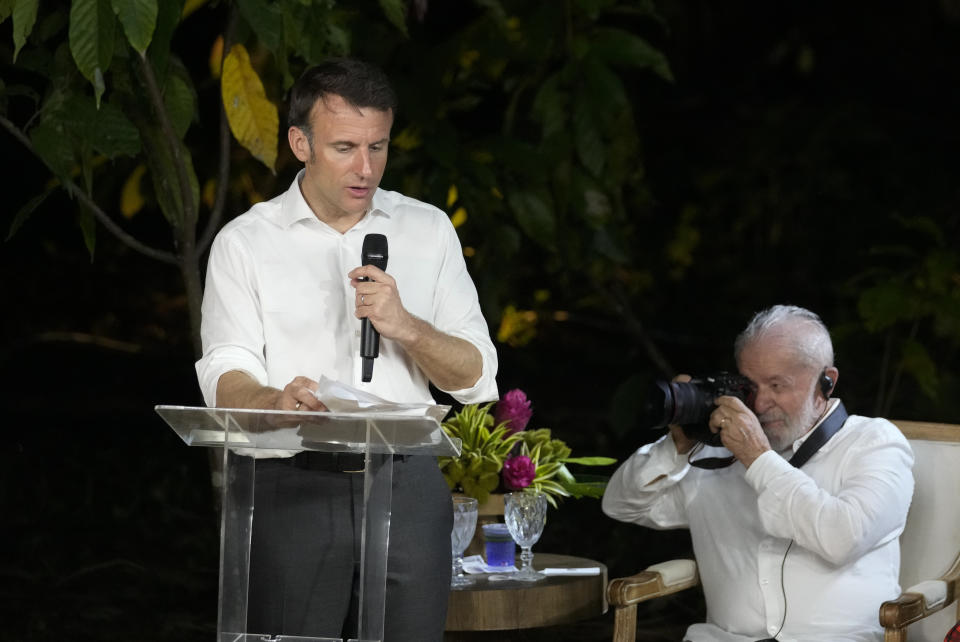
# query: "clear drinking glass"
526,514
464,524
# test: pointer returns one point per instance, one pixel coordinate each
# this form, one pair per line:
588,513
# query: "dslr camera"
689,404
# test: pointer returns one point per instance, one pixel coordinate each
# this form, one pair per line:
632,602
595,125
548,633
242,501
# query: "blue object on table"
499,546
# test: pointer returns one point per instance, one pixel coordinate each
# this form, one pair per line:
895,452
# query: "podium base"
263,637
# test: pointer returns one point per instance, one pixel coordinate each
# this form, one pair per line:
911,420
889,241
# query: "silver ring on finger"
297,407
362,302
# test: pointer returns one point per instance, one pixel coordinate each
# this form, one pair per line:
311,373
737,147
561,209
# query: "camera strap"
827,429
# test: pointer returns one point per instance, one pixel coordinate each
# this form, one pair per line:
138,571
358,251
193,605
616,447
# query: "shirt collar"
295,208
833,404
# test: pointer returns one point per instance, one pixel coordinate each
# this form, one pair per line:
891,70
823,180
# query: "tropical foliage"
499,455
531,123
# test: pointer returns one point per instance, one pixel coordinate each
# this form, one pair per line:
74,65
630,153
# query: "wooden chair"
929,551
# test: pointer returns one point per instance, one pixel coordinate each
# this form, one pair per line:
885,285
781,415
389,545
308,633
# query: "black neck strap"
827,429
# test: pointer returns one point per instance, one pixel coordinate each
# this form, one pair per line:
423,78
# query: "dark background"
794,136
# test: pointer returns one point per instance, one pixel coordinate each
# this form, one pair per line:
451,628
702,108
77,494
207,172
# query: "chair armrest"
656,581
921,600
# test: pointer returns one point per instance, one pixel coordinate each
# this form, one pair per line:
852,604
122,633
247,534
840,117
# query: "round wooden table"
508,604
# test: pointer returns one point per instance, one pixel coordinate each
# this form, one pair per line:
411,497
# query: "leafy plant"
502,456
484,448
99,90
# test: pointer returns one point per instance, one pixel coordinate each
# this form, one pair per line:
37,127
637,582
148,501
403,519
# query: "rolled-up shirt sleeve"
457,313
645,490
231,330
865,507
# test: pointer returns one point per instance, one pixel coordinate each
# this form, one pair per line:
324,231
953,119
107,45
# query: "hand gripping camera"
689,404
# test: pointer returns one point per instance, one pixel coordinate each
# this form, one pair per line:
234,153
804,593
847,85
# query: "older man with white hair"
797,538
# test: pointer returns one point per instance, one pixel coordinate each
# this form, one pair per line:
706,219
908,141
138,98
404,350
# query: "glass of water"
526,515
464,524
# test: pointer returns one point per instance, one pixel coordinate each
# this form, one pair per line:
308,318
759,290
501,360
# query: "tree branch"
223,168
186,194
74,190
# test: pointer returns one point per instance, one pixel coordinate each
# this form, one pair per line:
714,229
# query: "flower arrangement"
499,454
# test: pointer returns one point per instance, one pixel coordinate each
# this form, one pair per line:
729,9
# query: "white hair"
810,336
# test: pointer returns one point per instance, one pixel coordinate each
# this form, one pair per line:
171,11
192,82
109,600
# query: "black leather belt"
331,462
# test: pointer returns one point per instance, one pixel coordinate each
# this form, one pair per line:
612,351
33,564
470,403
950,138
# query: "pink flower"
518,472
515,409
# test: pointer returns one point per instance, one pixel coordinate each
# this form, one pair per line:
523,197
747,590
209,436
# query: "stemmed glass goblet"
464,524
526,514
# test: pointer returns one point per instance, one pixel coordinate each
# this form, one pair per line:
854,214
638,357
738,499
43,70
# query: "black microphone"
374,253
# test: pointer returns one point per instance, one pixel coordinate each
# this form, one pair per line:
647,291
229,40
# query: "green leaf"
113,133
25,212
168,16
179,99
550,486
917,362
48,140
107,130
6,9
586,489
266,20
139,19
550,107
24,17
163,172
91,40
589,143
535,216
619,47
546,471
883,305
88,227
564,476
396,13
590,461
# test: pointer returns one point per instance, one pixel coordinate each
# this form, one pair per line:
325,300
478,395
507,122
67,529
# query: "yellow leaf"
452,195
209,194
131,198
517,327
468,57
246,184
216,57
459,217
253,118
190,6
407,139
469,251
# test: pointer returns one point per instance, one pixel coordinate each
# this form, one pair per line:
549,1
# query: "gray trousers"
305,552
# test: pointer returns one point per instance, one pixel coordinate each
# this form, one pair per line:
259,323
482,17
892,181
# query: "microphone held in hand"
374,253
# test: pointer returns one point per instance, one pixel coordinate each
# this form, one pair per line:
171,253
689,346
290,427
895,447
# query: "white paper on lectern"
341,398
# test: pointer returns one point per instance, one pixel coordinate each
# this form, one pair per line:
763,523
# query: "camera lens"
677,402
692,403
657,409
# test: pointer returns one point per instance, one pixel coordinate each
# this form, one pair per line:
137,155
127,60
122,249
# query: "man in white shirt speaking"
285,295
797,538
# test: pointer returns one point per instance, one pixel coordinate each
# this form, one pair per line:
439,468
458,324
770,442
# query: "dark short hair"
359,83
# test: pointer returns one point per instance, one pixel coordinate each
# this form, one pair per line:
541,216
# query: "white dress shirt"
278,303
843,511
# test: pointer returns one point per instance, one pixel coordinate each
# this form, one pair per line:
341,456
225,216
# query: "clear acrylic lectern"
244,435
